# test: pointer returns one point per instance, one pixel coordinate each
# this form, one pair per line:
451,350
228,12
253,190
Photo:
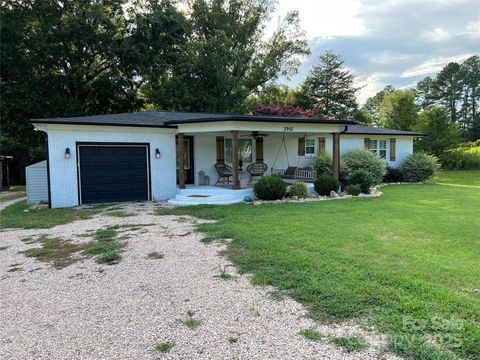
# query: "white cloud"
388,57
437,35
371,84
433,65
323,18
473,29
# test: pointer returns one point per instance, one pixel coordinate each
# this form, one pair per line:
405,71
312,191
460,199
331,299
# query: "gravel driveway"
92,311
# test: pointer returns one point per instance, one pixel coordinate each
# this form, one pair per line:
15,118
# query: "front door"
188,151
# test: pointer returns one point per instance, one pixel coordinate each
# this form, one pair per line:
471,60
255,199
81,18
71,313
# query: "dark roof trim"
414,134
60,122
367,130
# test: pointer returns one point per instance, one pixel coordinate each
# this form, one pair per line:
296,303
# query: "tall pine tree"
331,85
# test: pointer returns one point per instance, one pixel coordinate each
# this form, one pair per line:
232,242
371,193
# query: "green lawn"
459,178
20,215
408,262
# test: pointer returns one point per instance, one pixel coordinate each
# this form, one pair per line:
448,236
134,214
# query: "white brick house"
133,156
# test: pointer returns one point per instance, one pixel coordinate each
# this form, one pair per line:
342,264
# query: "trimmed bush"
357,159
270,188
325,184
419,167
353,189
394,175
323,164
361,177
298,189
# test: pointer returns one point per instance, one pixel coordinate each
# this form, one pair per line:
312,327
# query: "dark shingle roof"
367,130
166,118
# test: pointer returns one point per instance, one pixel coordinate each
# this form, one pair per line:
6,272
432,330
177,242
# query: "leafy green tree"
448,88
372,105
226,58
456,88
398,110
425,92
470,73
60,58
441,132
272,94
363,116
331,85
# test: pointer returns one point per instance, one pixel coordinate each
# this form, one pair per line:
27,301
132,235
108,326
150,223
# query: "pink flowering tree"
291,110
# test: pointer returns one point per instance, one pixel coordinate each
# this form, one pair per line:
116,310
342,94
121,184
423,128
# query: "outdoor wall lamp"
157,153
67,153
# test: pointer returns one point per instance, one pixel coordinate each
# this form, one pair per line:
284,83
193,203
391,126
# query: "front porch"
211,153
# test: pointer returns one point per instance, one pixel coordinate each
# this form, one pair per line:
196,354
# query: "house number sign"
288,128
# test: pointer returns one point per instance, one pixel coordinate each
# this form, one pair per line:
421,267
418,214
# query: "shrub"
353,189
323,164
464,157
364,159
361,177
420,167
394,175
299,189
325,184
270,188
343,172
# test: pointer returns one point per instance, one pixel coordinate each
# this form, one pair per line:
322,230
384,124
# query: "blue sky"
387,42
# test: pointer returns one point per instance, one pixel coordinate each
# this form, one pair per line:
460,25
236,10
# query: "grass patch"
3,248
28,240
119,213
232,339
20,215
110,256
191,322
311,334
406,262
208,239
350,343
224,275
9,197
155,255
107,248
164,347
105,235
417,347
60,252
466,178
56,251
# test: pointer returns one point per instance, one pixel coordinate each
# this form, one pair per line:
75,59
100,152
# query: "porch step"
196,195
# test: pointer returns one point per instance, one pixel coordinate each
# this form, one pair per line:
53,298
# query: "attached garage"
113,172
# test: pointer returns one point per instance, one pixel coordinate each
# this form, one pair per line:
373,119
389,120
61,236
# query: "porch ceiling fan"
255,134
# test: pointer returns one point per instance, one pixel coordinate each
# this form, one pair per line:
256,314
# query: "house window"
379,147
244,150
310,149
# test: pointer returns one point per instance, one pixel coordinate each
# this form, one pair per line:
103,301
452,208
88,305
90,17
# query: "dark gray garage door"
113,173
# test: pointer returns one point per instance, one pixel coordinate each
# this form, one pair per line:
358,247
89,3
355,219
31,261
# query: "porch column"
181,161
336,155
236,180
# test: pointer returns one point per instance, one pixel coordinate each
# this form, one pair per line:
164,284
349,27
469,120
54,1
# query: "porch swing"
307,173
